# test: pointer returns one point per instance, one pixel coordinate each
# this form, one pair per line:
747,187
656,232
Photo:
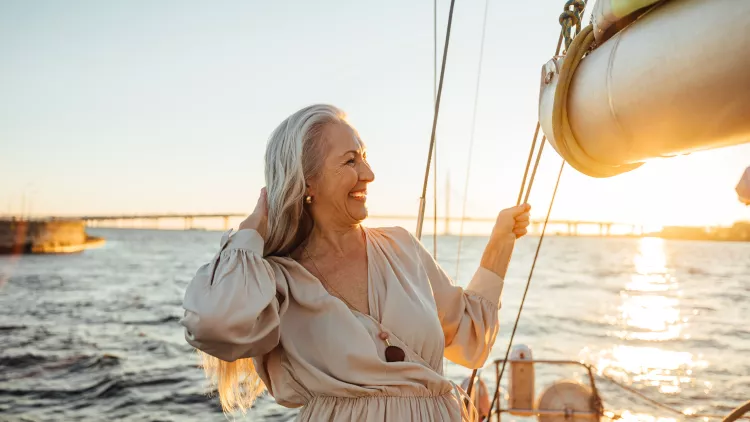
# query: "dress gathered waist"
445,407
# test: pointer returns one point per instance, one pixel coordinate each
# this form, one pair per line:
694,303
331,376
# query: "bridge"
189,219
572,226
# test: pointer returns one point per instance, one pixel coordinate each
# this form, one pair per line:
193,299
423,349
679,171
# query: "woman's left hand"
522,221
513,220
510,225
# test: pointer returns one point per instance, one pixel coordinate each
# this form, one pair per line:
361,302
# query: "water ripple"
95,336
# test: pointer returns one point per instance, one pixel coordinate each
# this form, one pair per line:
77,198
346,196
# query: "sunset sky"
150,107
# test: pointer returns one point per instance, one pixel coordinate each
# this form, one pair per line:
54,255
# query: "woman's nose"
366,174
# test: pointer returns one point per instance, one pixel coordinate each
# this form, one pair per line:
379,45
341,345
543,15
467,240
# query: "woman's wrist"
252,224
247,225
496,256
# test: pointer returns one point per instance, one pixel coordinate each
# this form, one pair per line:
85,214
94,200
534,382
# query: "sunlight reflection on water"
650,311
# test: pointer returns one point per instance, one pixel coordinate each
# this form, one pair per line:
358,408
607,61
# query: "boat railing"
569,414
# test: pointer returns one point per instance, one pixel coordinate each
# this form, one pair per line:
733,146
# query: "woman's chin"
358,212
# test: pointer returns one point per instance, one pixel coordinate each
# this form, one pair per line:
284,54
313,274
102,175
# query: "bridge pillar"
188,223
226,222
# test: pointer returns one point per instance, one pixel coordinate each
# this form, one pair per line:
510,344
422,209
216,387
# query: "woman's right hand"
258,220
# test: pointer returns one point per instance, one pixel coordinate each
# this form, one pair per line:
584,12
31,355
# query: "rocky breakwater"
45,236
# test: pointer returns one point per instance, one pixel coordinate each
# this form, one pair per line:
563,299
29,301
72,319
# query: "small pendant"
392,353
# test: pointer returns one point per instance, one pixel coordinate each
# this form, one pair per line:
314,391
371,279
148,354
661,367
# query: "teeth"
358,195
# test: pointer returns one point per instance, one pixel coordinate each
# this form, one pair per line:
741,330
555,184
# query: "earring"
308,199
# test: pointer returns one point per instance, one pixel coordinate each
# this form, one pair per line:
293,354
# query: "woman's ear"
309,188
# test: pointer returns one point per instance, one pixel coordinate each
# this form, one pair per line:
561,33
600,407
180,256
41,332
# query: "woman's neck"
334,240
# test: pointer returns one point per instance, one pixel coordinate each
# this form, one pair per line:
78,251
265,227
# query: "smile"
360,195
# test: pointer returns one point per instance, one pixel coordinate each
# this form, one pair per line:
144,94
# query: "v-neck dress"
312,351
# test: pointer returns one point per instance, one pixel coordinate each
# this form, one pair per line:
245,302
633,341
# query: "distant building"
45,236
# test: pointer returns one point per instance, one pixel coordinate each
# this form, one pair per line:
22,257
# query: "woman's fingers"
523,217
522,221
518,210
511,219
261,207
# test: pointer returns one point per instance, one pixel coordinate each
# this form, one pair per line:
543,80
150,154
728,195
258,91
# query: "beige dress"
312,351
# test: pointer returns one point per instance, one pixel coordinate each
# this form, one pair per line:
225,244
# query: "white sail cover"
672,82
743,188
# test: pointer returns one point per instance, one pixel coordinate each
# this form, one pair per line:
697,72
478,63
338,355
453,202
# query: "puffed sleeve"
234,304
469,317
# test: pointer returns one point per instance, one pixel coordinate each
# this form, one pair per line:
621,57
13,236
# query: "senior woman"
347,322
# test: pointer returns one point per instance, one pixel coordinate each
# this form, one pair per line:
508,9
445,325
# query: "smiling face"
339,191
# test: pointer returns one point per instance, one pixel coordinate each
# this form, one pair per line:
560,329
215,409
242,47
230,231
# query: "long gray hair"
295,152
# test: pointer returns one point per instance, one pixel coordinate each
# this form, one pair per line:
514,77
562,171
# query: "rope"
738,412
471,139
533,173
531,151
434,99
568,18
528,283
468,162
669,408
420,217
567,22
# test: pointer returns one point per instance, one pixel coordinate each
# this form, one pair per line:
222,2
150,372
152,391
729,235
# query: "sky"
166,106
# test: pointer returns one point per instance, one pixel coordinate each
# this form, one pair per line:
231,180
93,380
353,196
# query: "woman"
348,322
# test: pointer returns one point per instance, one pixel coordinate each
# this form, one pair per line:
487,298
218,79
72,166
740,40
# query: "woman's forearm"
496,256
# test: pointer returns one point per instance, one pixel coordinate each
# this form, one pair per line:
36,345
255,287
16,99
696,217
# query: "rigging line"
536,134
578,9
474,374
528,283
496,396
471,137
657,403
518,202
563,33
533,142
420,217
434,51
528,162
434,98
533,173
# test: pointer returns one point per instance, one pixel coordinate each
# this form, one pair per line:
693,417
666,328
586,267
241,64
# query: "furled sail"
673,81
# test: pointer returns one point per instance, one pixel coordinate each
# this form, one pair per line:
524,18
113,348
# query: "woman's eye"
351,162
